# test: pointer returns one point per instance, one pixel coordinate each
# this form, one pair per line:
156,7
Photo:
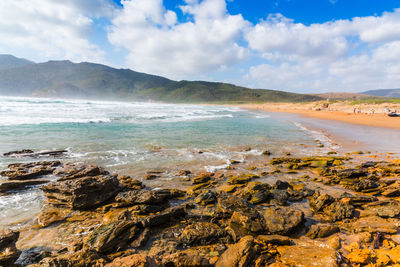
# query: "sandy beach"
371,115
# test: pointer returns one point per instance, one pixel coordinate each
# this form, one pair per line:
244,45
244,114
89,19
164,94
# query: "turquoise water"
130,138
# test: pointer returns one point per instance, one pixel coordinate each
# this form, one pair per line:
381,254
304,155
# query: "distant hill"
9,62
95,81
343,96
394,93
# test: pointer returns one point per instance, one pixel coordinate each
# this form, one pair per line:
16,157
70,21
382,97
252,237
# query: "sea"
130,138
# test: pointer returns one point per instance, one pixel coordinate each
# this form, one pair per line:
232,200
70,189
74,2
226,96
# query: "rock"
201,233
391,192
266,153
249,219
334,242
135,260
31,153
8,251
185,259
130,183
184,173
142,239
322,230
206,198
240,254
359,256
81,193
281,185
20,185
274,239
50,216
375,224
163,217
280,196
200,179
364,184
257,193
240,179
227,204
352,173
338,211
385,209
282,220
82,258
74,171
29,171
111,237
308,256
357,200
319,201
18,152
152,197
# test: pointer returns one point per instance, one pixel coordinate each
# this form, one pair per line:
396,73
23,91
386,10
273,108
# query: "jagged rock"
375,224
308,256
249,219
110,237
81,193
130,183
257,193
338,211
152,197
82,258
358,200
135,260
282,220
385,209
274,239
18,152
364,184
73,171
352,173
163,217
50,216
31,153
142,239
322,230
8,252
201,233
227,204
206,198
29,171
319,201
280,196
240,254
281,185
185,259
20,185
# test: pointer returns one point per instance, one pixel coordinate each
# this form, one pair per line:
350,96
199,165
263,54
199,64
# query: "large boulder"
8,252
201,233
81,193
151,197
282,220
240,254
110,237
309,255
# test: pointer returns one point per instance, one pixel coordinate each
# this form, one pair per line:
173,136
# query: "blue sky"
291,45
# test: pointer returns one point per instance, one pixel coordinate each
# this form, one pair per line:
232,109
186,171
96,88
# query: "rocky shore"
277,211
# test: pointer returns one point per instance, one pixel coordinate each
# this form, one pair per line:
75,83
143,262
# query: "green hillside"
95,81
9,62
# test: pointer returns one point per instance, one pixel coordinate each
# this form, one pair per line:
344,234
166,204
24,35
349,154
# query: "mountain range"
19,77
394,93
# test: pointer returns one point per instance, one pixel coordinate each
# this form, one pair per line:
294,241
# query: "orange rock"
137,260
359,256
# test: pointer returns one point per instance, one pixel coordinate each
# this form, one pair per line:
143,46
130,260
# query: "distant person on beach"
354,111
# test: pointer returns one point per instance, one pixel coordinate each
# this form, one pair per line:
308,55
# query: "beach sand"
337,112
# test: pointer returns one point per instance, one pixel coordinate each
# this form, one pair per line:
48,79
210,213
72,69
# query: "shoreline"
345,115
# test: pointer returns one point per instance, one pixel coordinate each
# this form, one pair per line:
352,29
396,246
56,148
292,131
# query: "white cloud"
158,43
49,29
345,55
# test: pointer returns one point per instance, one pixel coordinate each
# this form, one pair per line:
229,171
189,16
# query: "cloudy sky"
292,45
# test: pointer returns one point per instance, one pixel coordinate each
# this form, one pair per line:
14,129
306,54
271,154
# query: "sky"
303,46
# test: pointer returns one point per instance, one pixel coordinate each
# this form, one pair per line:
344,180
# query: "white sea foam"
323,138
20,111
